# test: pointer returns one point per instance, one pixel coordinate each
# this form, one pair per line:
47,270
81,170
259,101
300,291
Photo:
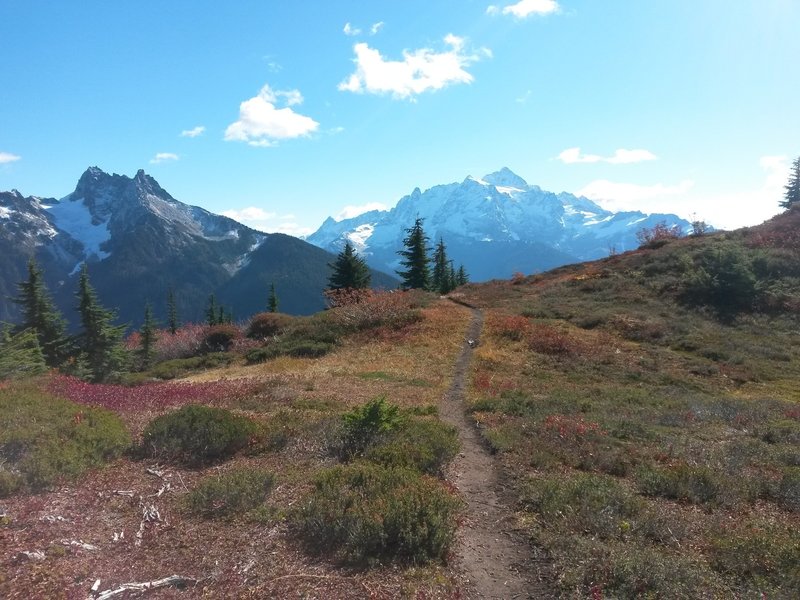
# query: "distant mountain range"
139,241
495,226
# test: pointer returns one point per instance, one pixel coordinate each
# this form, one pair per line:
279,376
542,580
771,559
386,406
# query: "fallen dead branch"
171,581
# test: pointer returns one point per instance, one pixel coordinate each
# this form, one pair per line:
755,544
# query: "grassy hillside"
647,409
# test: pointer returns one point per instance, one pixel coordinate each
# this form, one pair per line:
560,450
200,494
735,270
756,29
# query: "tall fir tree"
272,301
452,276
100,341
147,338
461,277
416,274
350,271
441,269
172,312
792,195
40,315
212,312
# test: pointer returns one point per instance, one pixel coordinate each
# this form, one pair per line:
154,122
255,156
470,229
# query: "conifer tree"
172,312
350,271
272,301
20,354
792,195
462,278
41,316
212,311
100,341
221,315
415,259
441,271
452,276
148,337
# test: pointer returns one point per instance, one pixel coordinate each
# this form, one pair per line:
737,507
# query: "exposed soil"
495,560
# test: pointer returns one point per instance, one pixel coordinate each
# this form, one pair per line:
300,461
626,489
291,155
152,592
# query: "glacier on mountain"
495,225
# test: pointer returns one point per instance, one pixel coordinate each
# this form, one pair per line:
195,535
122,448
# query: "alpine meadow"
449,300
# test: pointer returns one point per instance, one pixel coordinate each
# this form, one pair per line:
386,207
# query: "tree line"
421,270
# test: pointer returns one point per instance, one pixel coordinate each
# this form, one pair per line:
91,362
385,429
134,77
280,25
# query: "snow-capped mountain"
495,225
139,241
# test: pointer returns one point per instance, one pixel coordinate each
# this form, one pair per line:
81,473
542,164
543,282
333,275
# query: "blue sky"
282,113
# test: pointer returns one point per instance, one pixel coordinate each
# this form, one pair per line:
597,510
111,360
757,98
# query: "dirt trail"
496,562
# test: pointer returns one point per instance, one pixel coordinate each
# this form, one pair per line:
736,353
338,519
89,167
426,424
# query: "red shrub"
657,235
267,324
150,396
220,338
546,339
514,328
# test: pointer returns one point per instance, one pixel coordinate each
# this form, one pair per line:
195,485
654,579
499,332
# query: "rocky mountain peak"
505,177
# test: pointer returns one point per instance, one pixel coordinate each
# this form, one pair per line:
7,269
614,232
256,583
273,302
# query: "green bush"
197,435
584,503
20,354
44,439
788,492
423,444
365,512
170,369
233,493
362,426
694,484
220,338
266,325
289,347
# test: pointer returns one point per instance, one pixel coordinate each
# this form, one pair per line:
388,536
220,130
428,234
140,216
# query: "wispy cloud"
268,222
524,98
526,8
194,132
262,123
376,27
420,70
348,29
350,211
163,157
620,157
631,196
7,157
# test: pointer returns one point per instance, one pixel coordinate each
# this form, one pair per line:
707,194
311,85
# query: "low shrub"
44,439
366,512
698,485
788,491
220,338
511,327
197,435
583,503
229,494
289,347
178,367
362,426
267,325
426,445
547,339
766,559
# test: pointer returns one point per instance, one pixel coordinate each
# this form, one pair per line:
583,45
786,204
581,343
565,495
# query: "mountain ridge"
495,225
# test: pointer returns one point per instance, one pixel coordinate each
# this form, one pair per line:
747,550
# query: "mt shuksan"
494,226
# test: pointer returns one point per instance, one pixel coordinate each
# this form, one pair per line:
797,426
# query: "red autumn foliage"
152,396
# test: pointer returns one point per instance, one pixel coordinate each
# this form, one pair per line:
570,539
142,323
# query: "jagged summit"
505,177
495,226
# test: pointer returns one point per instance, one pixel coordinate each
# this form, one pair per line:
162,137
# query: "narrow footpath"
495,560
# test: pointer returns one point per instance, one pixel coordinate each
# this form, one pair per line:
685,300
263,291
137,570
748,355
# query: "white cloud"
163,157
7,157
350,211
419,71
194,132
620,157
524,98
526,8
350,30
262,123
376,27
739,207
268,222
630,196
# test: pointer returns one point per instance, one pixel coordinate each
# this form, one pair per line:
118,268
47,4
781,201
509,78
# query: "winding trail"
495,560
